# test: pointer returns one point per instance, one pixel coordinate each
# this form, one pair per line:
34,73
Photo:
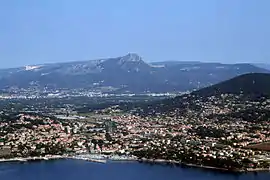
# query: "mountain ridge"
124,74
263,65
251,83
253,87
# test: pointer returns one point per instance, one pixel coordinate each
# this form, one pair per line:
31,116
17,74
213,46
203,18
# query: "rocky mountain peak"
131,57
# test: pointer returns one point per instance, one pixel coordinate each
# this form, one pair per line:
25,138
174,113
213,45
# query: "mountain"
173,63
127,73
239,90
247,84
265,66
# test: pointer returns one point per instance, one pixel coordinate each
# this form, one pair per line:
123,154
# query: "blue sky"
34,32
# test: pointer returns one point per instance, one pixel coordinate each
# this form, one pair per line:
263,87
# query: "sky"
227,31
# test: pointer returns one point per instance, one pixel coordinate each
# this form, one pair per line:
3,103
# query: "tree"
108,137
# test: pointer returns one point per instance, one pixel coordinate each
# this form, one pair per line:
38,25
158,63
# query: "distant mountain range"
128,73
264,66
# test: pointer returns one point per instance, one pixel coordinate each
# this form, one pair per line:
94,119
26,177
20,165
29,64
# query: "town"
207,133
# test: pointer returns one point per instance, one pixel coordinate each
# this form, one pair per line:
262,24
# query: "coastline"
173,162
103,159
29,159
162,161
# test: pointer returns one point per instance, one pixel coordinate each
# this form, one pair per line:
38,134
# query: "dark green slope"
252,86
247,84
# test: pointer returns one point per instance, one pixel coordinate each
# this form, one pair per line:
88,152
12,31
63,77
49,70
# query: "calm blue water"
80,170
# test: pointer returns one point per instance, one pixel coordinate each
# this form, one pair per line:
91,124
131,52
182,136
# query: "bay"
80,170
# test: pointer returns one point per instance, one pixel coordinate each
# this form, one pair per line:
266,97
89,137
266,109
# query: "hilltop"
247,84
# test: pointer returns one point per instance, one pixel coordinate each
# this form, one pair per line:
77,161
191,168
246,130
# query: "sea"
80,170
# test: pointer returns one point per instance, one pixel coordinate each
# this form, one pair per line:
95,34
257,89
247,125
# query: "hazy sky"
33,32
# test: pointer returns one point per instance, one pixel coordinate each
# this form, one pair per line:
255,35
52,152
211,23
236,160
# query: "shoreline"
103,159
29,159
173,162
